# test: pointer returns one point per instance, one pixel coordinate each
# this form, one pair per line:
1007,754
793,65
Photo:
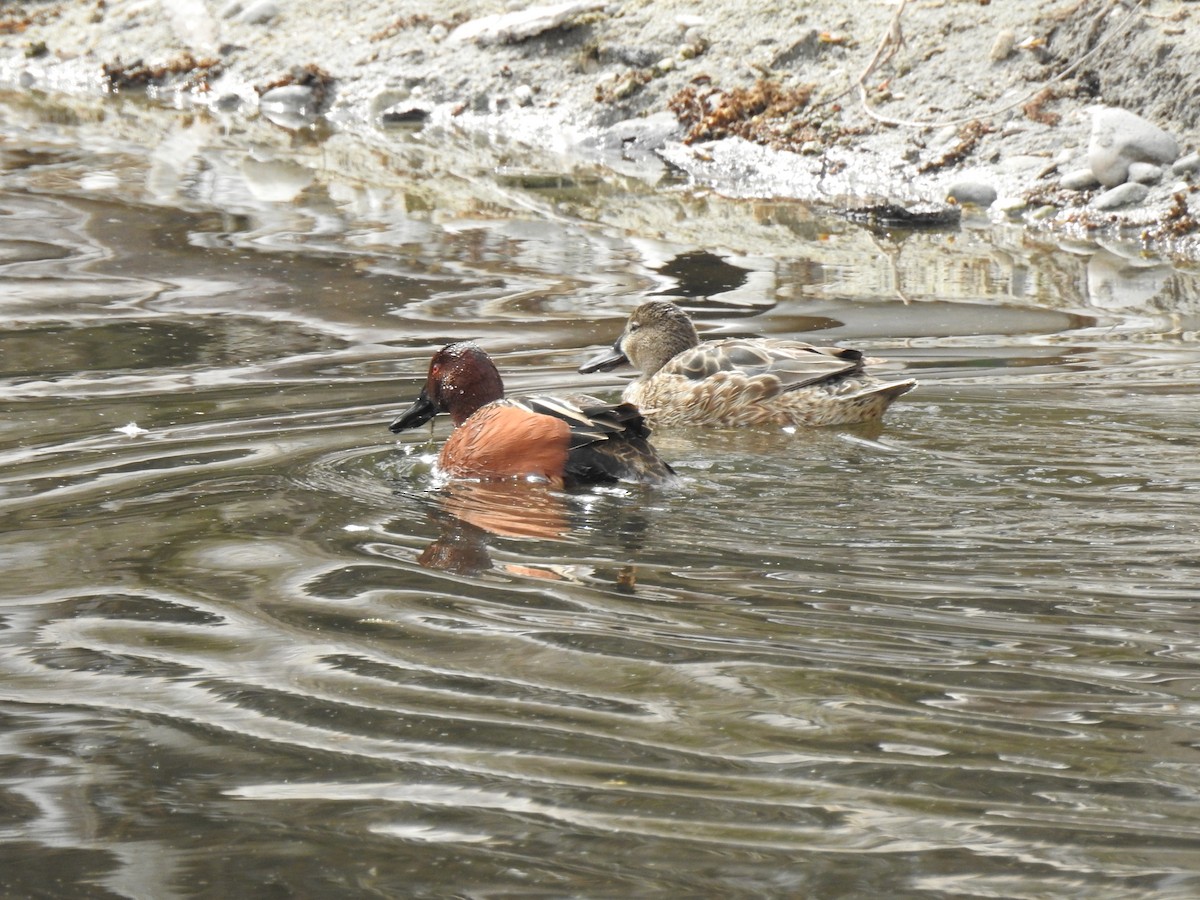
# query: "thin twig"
894,39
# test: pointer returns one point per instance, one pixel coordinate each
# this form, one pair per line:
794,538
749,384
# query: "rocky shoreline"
1070,117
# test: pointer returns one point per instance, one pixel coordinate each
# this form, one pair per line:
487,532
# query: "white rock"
1002,46
1188,163
291,96
290,106
1145,173
259,13
944,137
1119,138
977,192
1122,195
508,28
1079,180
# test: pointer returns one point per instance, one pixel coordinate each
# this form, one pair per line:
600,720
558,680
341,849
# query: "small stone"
1119,138
293,96
522,24
259,13
231,9
1145,173
1121,195
811,148
1012,206
977,193
1079,180
438,32
388,97
1186,164
290,106
806,49
1043,212
1002,47
945,136
523,95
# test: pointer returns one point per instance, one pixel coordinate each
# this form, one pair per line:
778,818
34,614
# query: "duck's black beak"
419,413
609,359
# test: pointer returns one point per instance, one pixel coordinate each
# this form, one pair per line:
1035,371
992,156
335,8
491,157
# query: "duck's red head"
461,379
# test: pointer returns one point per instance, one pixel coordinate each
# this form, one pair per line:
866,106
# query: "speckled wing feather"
788,364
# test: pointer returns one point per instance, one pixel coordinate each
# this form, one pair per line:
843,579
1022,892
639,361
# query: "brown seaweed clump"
765,113
138,75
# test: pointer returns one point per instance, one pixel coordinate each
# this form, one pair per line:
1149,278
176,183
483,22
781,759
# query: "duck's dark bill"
418,414
607,360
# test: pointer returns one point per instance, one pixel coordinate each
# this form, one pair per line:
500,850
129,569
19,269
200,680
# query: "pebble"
1186,164
1121,195
1012,206
1079,180
289,106
509,28
1145,173
1119,138
523,95
259,13
944,137
1002,47
978,193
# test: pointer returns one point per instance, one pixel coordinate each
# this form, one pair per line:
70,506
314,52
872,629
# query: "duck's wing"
792,364
608,442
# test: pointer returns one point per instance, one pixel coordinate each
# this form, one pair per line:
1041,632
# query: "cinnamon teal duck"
540,438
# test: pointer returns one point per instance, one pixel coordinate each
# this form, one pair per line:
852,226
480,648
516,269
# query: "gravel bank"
1075,116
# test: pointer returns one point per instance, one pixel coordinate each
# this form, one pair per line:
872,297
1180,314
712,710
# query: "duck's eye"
634,326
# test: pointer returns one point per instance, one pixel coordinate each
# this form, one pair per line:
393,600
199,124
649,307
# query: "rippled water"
246,651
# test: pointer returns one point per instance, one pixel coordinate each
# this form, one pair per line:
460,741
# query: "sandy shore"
904,104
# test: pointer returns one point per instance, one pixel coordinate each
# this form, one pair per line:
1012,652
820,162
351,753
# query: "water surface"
248,651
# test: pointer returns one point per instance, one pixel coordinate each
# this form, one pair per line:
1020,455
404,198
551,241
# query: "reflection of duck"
741,381
469,513
533,438
507,509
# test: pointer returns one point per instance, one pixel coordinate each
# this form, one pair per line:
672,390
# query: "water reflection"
248,650
468,512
